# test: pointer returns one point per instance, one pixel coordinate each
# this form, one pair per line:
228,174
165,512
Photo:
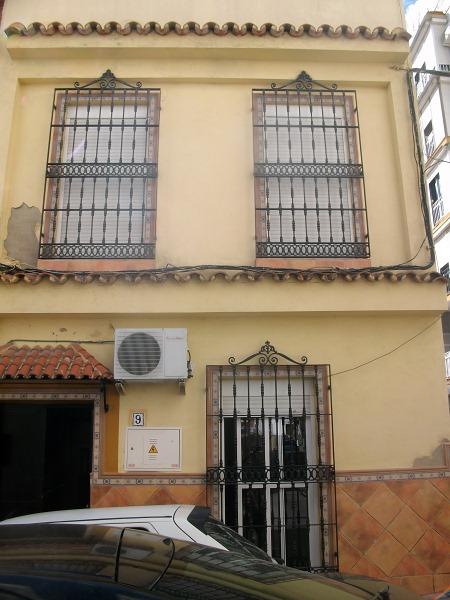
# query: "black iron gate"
270,456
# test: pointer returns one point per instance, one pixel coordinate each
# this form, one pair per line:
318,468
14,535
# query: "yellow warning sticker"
153,449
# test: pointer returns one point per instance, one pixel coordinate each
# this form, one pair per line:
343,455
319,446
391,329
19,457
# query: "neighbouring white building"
430,52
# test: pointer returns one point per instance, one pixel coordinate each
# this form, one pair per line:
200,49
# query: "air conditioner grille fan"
139,353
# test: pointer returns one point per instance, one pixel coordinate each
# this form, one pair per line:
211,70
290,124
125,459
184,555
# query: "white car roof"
118,512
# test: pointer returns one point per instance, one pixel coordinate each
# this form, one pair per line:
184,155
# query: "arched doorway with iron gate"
270,456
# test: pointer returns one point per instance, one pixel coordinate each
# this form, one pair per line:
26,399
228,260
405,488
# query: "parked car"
67,562
182,522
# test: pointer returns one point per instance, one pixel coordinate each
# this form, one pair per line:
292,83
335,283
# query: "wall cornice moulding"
184,276
208,28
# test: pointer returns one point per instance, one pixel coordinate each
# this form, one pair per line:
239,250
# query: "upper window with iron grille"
309,185
100,193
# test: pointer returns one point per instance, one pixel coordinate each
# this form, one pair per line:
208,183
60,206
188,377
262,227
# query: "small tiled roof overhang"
208,28
50,362
183,275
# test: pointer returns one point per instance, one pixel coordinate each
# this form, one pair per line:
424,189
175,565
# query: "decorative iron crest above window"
100,192
107,81
304,82
267,355
309,185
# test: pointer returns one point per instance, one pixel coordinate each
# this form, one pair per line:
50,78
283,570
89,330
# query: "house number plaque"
137,419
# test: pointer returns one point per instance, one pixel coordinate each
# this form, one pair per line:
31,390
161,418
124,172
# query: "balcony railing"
438,209
445,272
429,145
447,364
423,78
421,82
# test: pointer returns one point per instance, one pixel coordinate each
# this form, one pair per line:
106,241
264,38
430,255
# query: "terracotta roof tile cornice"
208,28
217,275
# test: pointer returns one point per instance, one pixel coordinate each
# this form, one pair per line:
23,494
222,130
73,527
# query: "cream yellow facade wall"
206,131
387,414
206,128
8,102
216,297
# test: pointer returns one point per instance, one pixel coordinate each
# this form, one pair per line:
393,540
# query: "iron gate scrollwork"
270,456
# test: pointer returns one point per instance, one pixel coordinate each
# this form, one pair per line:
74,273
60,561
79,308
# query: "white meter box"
153,449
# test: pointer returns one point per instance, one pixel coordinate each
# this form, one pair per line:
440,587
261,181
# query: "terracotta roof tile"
208,28
50,362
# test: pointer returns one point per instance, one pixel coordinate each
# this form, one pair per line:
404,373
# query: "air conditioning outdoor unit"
150,354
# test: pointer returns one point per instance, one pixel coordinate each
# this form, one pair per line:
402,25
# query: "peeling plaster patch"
436,458
22,243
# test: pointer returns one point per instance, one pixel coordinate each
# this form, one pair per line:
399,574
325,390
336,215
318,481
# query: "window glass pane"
253,449
254,517
277,523
294,448
296,527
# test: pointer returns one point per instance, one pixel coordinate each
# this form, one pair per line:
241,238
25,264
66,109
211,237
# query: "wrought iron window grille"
100,188
309,177
270,471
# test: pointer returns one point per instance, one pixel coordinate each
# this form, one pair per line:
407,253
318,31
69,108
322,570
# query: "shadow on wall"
22,243
437,458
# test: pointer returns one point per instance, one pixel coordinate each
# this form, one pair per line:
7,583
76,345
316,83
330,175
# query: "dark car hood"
375,586
170,568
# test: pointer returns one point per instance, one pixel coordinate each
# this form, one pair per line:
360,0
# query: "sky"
416,10
408,3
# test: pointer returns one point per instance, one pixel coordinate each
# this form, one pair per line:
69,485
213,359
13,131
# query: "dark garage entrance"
45,456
